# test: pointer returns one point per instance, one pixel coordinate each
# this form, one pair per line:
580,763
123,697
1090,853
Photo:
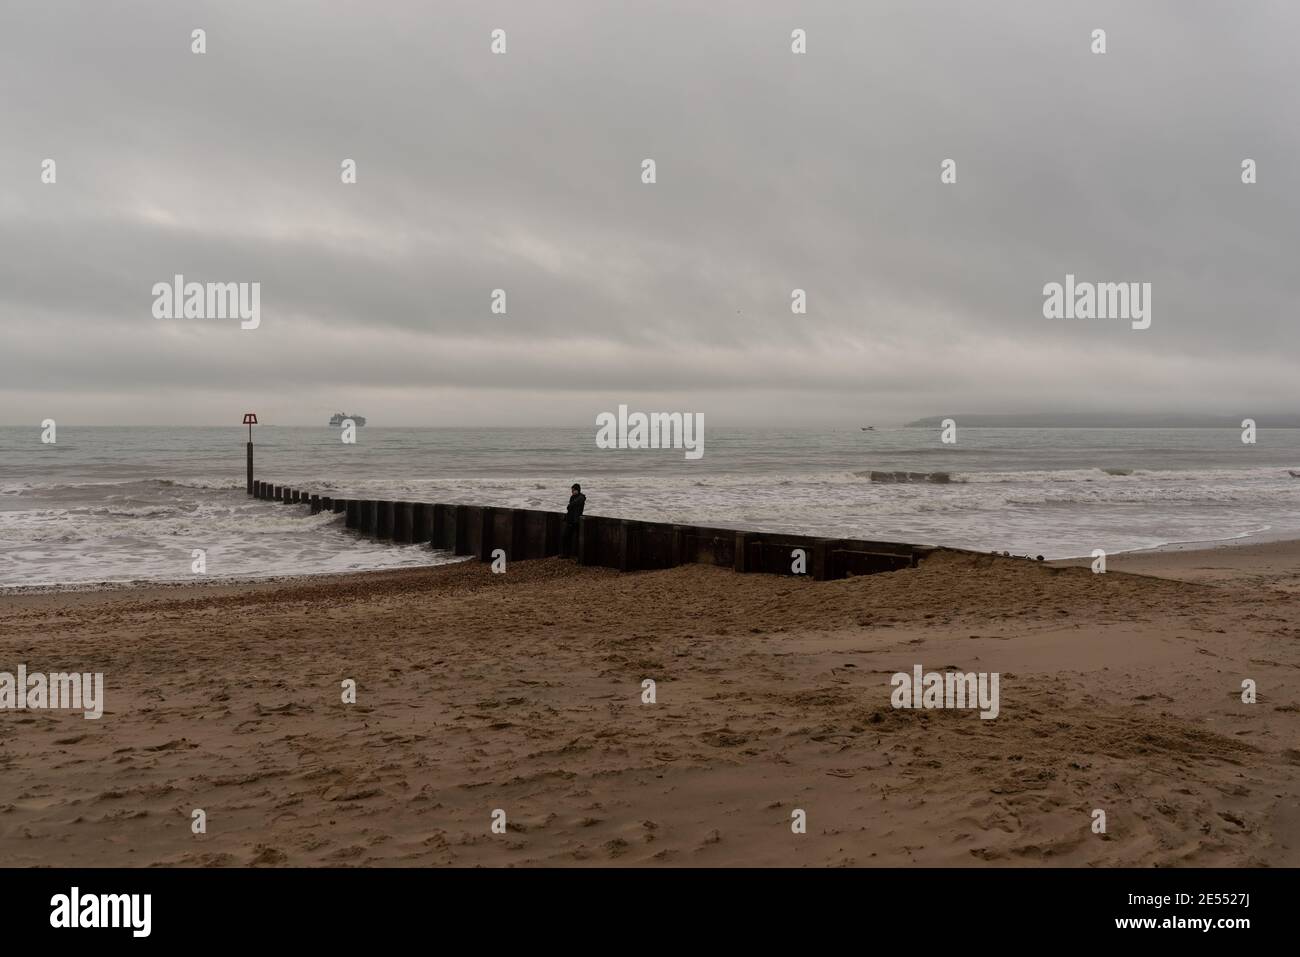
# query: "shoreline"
1126,557
1273,563
145,584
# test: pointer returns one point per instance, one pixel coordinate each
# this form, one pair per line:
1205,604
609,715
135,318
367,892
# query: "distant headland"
1110,420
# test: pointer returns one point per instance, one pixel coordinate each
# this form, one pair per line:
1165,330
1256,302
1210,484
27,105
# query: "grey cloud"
522,172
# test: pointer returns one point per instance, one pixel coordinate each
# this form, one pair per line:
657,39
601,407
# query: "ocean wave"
466,488
1206,477
122,485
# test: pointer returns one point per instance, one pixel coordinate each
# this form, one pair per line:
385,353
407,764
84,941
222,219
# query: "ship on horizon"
338,418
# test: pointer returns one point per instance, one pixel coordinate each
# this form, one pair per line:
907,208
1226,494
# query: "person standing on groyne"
572,519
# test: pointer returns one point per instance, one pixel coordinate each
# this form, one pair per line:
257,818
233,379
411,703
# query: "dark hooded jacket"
573,515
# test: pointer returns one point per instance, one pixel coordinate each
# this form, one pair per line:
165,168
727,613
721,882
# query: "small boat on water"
868,428
338,418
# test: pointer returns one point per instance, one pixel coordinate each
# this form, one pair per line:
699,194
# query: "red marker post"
250,420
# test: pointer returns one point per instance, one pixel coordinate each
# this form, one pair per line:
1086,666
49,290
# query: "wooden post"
353,509
821,560
554,534
459,517
250,420
741,560
369,515
586,540
443,527
340,505
530,526
678,554
518,547
403,522
314,502
487,522
383,520
421,522
625,557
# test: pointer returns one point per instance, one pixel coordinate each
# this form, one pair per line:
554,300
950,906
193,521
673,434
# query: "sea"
105,505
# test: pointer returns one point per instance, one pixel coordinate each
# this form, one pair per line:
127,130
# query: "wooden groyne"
625,544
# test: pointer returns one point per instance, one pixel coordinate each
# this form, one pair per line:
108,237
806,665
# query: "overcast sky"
523,172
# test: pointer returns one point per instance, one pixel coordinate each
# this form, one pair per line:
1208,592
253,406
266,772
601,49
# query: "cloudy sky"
523,172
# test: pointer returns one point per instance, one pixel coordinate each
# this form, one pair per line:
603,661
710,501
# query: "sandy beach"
523,692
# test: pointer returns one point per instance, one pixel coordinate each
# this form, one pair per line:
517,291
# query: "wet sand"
523,692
